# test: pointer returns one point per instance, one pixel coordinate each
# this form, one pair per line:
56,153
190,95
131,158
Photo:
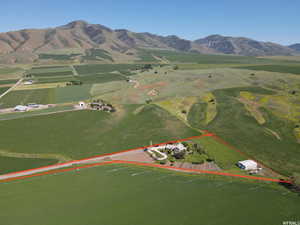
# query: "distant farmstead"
102,106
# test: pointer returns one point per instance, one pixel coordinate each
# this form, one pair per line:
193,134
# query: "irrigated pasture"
126,195
81,134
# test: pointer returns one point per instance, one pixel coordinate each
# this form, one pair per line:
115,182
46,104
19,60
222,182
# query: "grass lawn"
39,96
82,134
10,164
225,157
126,195
234,124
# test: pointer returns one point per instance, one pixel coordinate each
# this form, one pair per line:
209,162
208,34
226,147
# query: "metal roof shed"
247,165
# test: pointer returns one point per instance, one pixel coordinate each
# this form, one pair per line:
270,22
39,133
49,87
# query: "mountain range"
28,44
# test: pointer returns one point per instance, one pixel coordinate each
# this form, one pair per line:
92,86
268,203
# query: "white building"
29,82
21,108
82,105
247,165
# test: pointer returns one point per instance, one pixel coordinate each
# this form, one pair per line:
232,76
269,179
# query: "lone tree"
148,101
175,67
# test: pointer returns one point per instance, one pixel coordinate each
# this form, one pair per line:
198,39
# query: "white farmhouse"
248,165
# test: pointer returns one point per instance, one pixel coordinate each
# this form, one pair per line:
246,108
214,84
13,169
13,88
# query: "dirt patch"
199,83
139,156
153,85
204,166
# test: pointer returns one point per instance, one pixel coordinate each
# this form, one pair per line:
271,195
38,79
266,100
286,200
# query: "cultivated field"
82,134
142,196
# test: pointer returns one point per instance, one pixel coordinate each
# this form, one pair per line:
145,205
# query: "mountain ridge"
14,45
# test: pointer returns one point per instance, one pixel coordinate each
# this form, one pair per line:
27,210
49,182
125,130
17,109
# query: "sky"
264,20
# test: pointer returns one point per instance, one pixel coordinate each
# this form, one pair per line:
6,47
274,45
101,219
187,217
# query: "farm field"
50,94
51,71
11,81
294,68
175,56
39,96
93,194
2,90
11,164
82,134
10,116
72,93
90,69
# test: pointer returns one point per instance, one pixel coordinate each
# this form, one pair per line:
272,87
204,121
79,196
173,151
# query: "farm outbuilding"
29,82
247,165
21,108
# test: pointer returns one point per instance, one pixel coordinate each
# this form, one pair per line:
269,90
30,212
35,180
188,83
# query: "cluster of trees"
74,82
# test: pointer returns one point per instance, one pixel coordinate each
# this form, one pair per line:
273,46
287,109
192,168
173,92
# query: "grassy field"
54,74
134,195
81,134
174,56
294,69
2,90
101,78
10,116
72,93
197,115
225,157
91,69
12,81
235,125
39,96
44,80
97,54
8,70
145,56
10,164
57,56
49,69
